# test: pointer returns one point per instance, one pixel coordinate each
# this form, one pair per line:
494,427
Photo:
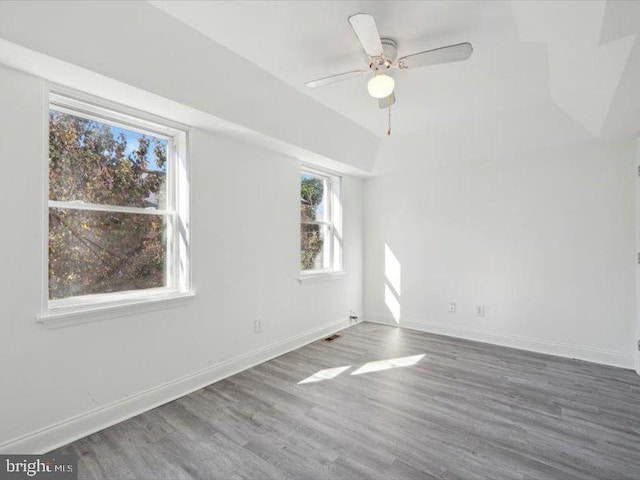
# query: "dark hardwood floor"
443,408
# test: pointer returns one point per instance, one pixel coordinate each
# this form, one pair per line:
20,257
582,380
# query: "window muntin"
114,188
320,223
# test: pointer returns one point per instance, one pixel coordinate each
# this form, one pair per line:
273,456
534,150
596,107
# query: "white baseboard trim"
62,433
597,355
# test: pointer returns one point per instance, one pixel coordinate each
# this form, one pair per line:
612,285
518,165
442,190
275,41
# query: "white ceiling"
526,54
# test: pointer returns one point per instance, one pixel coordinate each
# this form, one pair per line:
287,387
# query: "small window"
320,223
117,206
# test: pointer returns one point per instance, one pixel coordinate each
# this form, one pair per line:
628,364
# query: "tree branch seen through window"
93,163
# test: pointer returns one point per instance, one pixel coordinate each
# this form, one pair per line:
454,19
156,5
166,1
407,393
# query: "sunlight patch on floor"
326,374
380,365
370,367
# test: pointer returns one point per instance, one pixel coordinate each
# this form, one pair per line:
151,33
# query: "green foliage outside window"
311,235
94,251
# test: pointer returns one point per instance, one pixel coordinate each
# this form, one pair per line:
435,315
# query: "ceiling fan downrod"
389,116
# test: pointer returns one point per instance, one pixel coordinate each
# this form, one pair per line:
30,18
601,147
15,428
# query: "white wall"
545,240
636,347
57,384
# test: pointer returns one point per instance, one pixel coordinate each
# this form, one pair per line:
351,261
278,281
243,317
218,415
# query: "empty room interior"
320,240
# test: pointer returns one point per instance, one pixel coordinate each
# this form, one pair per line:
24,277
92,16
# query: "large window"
320,223
118,206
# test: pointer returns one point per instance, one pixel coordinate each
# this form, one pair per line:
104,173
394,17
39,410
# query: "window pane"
314,253
313,193
98,163
100,252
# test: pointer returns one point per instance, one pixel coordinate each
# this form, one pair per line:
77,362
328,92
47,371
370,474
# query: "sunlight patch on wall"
392,275
392,269
392,303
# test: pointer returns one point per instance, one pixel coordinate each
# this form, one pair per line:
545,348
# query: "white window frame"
333,248
175,212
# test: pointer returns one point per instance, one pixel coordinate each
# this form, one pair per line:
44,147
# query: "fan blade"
321,82
384,102
452,53
365,28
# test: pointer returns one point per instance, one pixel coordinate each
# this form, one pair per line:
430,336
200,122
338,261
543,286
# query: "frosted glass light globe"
381,86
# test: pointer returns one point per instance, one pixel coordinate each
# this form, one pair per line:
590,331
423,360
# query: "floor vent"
332,338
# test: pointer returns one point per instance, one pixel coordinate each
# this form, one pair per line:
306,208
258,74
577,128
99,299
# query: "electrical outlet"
479,310
452,308
258,325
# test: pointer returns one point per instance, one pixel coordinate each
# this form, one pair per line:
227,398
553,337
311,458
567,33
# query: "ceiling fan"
382,53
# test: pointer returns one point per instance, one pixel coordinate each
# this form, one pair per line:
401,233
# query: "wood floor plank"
457,410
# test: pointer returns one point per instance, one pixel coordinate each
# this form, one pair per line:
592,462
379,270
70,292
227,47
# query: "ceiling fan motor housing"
390,49
390,53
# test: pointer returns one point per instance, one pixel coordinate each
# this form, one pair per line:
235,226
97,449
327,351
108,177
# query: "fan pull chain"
389,115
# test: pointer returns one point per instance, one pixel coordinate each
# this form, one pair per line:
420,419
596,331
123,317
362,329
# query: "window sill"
311,278
62,317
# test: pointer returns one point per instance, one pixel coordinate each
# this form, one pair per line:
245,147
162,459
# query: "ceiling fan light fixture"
381,86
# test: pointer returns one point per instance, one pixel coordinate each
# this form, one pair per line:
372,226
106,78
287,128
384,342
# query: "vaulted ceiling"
580,58
542,74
